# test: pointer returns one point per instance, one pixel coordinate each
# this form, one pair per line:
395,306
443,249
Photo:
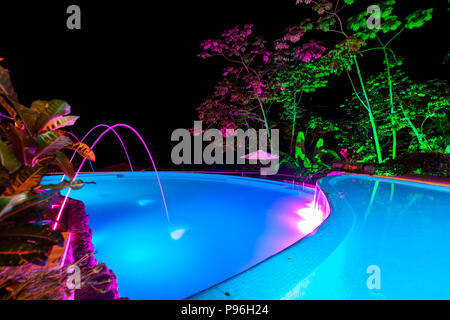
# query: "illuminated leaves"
311,50
83,150
389,22
7,158
47,110
421,113
294,34
5,83
28,145
59,122
49,143
26,180
418,18
321,6
240,97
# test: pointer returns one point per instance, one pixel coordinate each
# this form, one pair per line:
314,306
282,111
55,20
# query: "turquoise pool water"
400,228
219,226
384,239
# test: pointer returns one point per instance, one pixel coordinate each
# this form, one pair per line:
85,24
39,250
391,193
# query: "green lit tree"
421,115
356,39
297,72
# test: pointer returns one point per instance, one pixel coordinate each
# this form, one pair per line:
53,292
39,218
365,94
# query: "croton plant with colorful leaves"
30,142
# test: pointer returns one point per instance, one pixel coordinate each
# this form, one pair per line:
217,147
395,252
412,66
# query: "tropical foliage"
30,142
307,163
421,116
387,113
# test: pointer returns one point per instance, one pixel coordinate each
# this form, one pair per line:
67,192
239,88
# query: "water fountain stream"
111,128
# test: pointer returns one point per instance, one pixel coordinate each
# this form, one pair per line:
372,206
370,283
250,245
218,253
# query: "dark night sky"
137,64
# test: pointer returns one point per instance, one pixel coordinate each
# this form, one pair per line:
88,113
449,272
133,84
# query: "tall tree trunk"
371,118
391,100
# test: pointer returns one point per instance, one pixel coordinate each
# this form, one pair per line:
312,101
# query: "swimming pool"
219,226
238,238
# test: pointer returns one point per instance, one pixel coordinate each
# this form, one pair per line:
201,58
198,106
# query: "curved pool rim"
263,281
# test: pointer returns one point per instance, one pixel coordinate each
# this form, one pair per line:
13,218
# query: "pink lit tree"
242,96
257,77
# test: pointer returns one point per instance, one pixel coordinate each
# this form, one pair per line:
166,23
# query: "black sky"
135,61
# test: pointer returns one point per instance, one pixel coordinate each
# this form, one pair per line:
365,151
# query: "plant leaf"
64,164
306,163
83,150
48,110
34,208
7,203
319,148
5,83
50,142
26,180
23,145
27,116
8,105
300,146
27,243
59,122
7,158
14,252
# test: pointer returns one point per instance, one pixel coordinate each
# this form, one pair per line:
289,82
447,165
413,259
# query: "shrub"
429,163
29,144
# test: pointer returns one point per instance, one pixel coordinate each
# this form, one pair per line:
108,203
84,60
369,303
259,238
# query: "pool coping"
290,268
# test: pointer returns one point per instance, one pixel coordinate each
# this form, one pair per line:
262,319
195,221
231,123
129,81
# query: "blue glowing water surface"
398,231
219,226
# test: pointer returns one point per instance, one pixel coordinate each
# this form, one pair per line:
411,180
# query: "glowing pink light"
72,135
118,137
92,147
311,218
260,155
61,209
76,138
335,173
65,250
